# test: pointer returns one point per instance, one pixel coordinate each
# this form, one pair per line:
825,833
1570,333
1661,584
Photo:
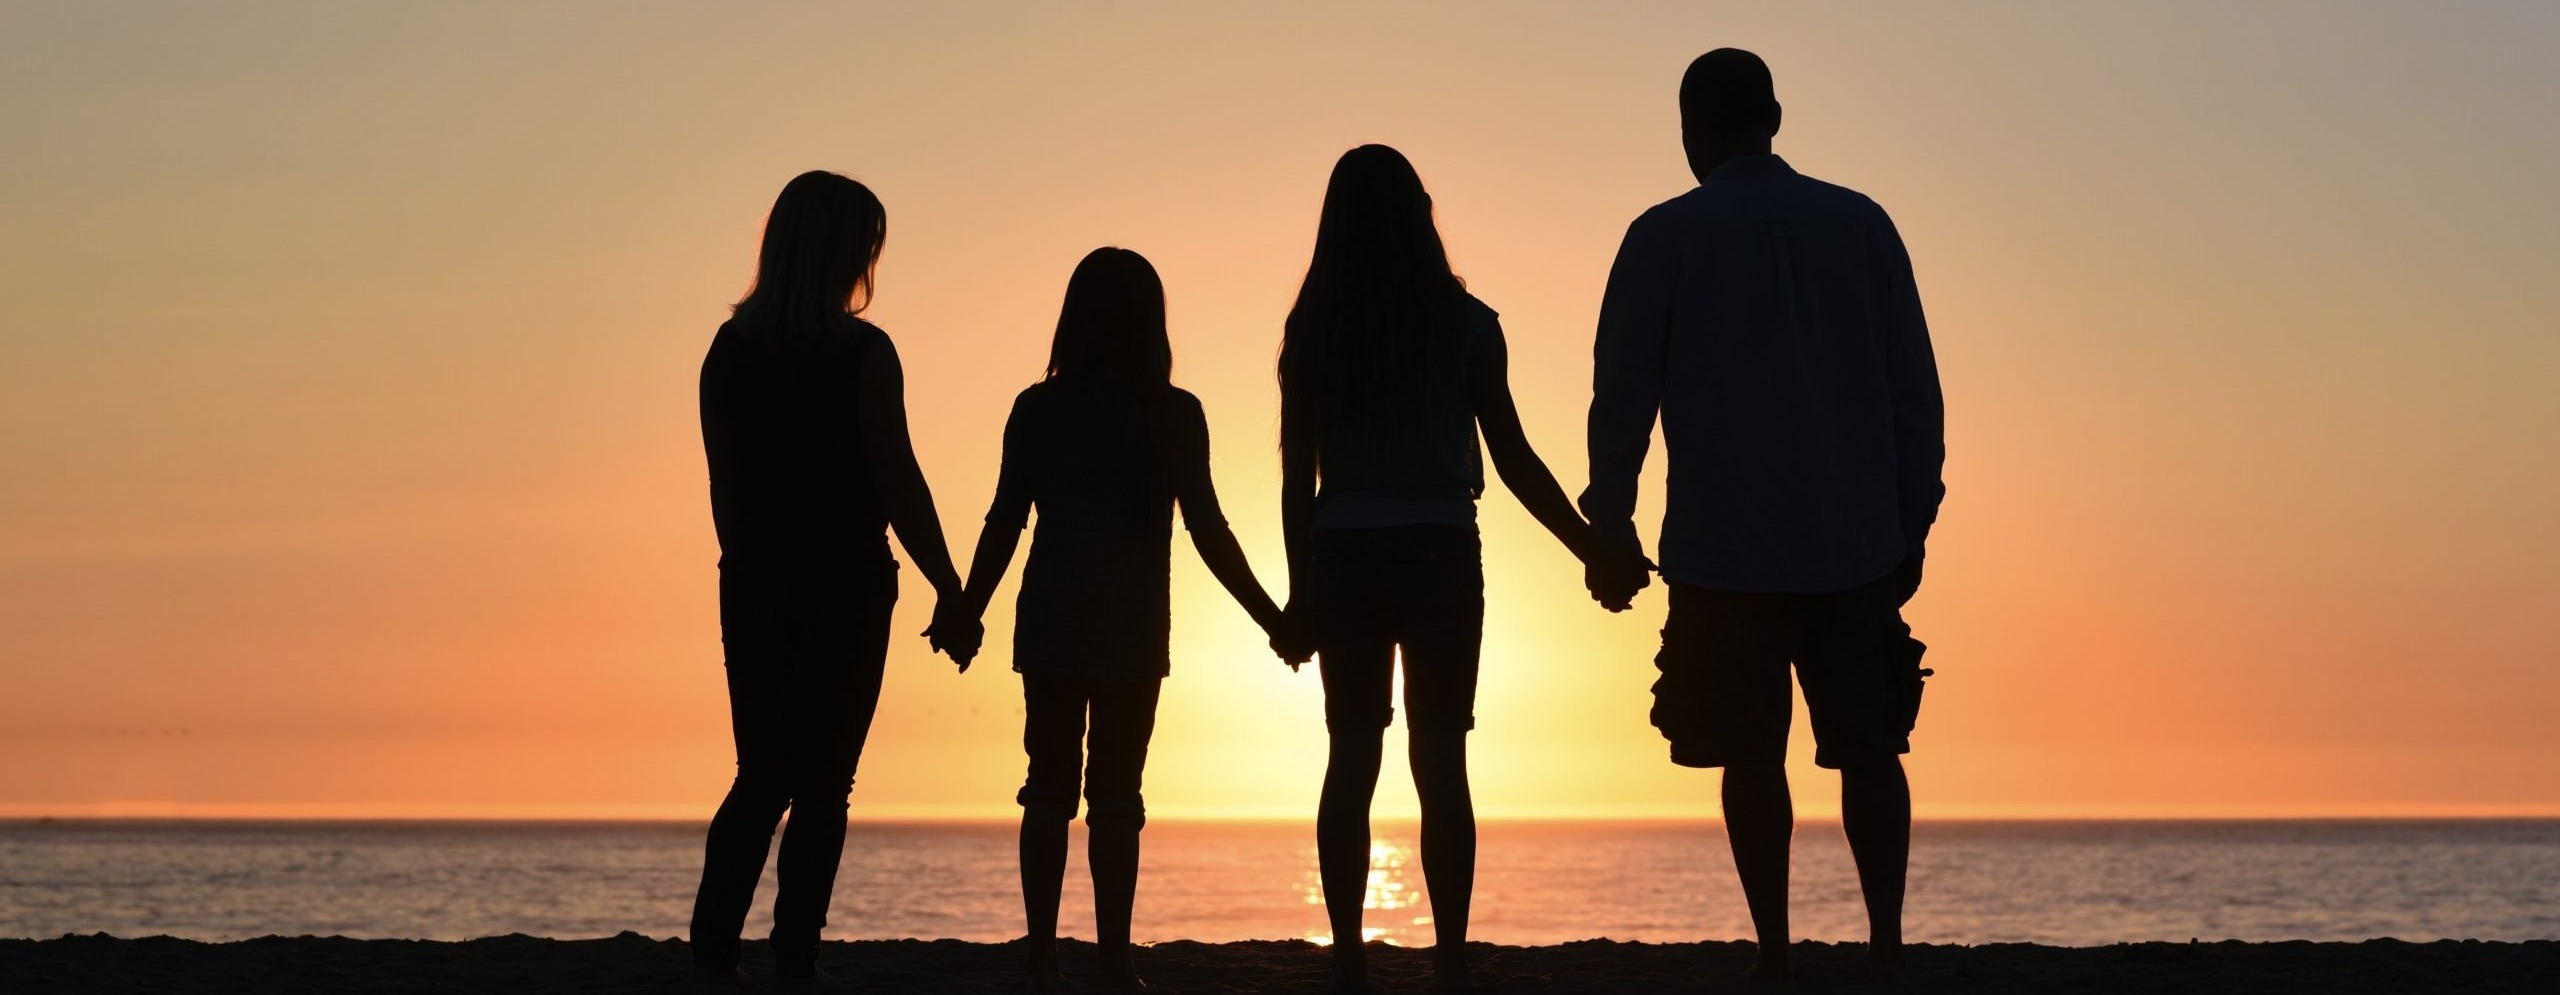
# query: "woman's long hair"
1111,333
1377,331
821,243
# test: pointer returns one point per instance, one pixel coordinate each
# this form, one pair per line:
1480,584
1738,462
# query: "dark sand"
633,963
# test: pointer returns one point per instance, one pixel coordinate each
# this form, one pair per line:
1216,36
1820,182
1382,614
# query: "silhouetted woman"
1387,371
1105,446
804,424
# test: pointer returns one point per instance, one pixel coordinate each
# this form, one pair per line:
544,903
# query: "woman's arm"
1508,446
904,496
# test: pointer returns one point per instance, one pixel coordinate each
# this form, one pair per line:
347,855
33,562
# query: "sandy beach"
634,963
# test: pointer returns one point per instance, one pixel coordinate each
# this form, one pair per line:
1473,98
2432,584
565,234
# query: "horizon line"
991,815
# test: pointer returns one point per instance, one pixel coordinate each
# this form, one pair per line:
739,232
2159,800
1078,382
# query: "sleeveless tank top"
791,494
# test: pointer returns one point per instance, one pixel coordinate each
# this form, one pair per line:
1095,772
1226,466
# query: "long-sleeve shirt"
1771,322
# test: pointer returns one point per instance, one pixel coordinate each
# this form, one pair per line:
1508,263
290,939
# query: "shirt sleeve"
1628,358
1192,486
1919,406
1012,507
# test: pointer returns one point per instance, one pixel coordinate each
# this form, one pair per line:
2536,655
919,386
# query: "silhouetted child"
1104,446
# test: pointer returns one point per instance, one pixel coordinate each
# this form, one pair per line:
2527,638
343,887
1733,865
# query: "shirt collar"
1751,167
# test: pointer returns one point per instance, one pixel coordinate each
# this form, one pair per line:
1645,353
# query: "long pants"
801,697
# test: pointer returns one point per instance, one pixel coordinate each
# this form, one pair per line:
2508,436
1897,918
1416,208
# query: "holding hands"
1289,638
956,631
1615,573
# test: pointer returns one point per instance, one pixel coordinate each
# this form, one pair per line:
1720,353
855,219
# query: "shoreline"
1665,821
634,963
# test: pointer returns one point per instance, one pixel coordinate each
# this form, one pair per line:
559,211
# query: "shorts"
1724,696
1418,588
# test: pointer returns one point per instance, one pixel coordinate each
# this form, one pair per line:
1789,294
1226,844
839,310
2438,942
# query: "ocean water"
2071,883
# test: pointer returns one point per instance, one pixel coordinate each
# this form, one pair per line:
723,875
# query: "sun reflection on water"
1390,888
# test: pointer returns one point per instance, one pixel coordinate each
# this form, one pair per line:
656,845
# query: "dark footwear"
735,977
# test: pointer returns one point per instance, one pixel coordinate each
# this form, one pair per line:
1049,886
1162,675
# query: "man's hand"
956,632
1614,577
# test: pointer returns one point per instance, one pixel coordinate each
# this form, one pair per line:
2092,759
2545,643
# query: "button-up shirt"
1770,320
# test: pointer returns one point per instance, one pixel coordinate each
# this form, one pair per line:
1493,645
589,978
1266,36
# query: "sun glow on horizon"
346,386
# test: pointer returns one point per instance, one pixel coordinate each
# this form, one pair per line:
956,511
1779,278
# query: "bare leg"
1044,872
1875,813
1760,821
1448,846
1342,845
1111,850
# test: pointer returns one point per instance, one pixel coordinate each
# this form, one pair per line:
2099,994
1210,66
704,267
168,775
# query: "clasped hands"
958,632
1615,573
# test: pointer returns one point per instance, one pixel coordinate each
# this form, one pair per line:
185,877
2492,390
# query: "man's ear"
1777,116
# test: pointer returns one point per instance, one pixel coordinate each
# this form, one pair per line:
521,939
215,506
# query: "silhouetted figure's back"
1390,371
804,432
1771,322
1792,337
791,499
1105,447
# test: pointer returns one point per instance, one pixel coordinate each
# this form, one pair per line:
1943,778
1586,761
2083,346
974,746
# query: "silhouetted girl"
804,423
1104,447
1387,371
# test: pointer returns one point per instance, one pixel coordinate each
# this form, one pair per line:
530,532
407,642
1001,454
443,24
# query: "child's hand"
1290,641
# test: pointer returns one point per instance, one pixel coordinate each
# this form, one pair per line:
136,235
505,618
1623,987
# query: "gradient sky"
348,461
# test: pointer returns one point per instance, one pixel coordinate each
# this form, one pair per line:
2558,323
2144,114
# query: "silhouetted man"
1770,320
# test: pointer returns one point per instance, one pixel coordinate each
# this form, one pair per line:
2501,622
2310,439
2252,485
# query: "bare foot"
1115,973
1771,972
1040,971
1449,970
1351,971
814,981
1885,962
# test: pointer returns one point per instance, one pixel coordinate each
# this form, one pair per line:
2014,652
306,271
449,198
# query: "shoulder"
1186,404
1482,321
1832,198
1660,228
863,335
1032,396
1668,214
871,346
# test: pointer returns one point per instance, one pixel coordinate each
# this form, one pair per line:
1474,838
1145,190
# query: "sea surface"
2068,883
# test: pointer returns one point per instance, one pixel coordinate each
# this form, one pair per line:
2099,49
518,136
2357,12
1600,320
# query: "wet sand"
633,963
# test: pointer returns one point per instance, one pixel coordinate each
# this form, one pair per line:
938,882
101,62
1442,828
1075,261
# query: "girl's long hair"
1377,332
1111,334
1111,327
821,243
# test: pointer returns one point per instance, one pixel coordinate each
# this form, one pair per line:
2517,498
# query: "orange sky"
346,369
